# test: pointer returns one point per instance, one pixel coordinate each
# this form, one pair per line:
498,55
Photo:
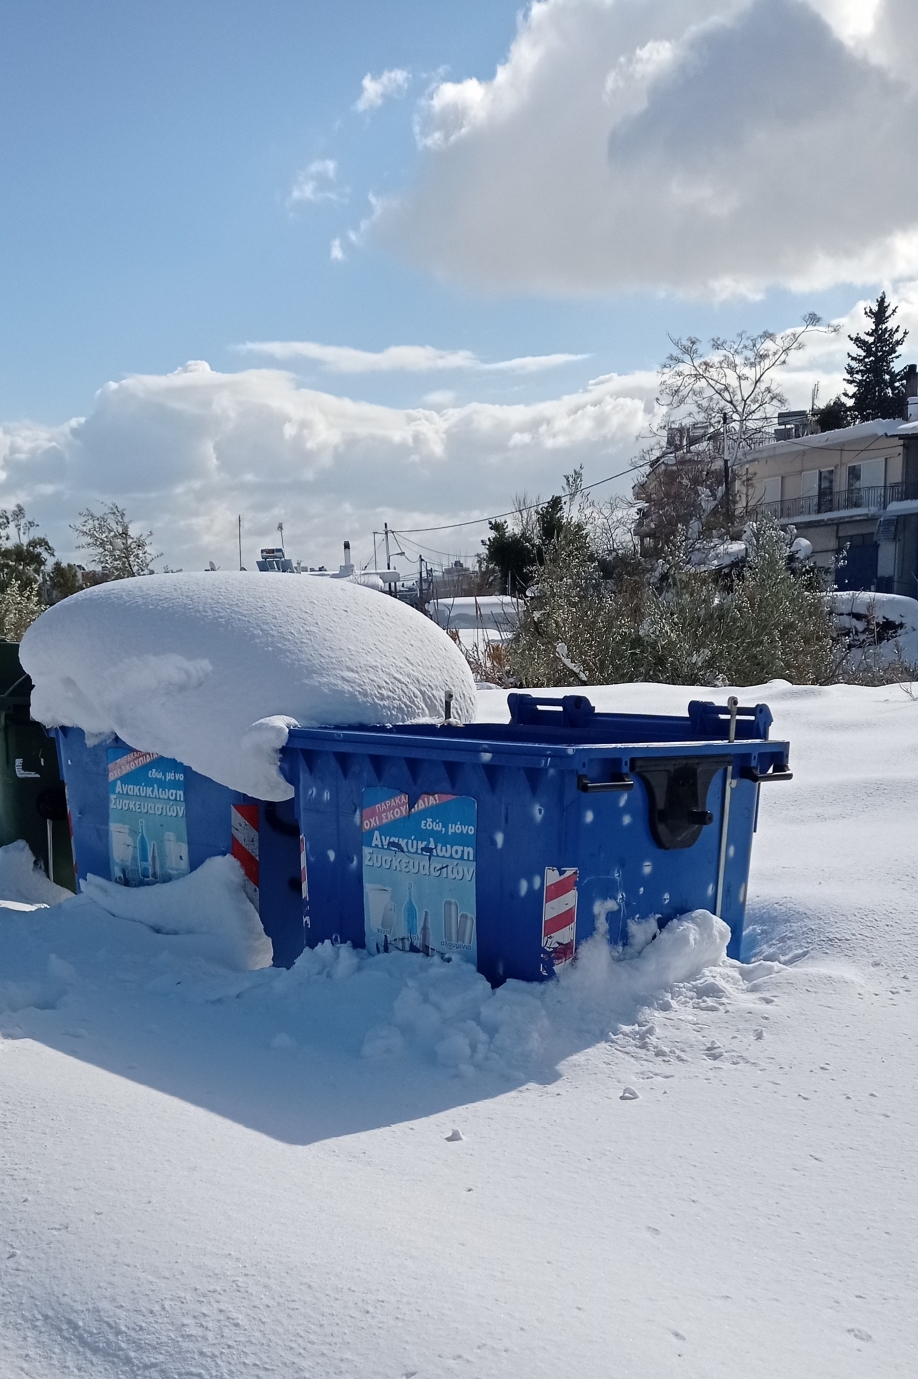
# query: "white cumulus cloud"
375,90
401,358
317,182
704,146
187,451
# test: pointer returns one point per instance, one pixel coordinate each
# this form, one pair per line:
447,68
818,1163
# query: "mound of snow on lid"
188,665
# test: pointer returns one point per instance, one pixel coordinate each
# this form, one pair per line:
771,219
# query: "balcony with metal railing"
872,499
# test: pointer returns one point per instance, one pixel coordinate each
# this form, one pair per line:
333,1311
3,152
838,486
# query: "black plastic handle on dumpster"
592,787
778,773
677,793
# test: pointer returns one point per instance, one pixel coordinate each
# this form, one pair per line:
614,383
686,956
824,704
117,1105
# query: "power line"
808,442
431,550
530,507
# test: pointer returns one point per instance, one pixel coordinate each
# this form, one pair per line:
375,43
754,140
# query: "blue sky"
146,159
149,156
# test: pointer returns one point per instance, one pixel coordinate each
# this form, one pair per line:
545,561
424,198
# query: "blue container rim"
459,744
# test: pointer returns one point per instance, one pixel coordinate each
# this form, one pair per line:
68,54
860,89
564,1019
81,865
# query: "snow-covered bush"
608,617
19,608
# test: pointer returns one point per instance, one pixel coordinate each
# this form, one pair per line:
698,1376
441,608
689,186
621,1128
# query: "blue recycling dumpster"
138,818
505,843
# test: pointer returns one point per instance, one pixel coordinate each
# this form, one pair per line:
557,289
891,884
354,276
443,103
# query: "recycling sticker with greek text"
419,871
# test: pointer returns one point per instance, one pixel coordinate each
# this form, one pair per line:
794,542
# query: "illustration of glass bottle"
143,853
425,935
411,921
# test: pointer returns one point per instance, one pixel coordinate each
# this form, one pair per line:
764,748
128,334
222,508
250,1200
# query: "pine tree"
874,386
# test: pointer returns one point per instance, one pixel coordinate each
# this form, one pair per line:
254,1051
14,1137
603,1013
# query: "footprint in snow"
858,1334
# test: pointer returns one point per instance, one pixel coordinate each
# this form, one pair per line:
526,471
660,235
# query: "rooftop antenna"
280,528
239,523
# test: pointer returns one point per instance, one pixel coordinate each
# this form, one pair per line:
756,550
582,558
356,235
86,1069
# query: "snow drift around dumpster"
191,665
22,879
210,901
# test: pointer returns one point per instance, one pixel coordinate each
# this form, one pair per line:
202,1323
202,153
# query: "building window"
865,483
818,486
826,490
772,491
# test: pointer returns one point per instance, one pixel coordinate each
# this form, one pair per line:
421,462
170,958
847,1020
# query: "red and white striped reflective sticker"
244,818
559,914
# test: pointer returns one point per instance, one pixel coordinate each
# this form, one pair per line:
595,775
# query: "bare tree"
16,518
731,388
717,401
732,376
107,537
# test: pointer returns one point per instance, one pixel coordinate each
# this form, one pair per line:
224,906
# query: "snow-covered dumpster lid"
214,668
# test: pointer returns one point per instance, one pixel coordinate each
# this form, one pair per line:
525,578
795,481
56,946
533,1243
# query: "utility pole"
240,540
388,561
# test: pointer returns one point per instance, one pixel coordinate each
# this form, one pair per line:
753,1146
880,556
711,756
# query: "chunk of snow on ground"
449,1010
212,668
209,901
22,879
43,992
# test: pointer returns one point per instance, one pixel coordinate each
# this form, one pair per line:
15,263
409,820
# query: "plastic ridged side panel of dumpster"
551,811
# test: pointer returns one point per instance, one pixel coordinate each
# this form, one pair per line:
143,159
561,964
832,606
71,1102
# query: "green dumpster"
33,804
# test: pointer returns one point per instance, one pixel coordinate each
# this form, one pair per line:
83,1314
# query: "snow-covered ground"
674,1165
480,620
